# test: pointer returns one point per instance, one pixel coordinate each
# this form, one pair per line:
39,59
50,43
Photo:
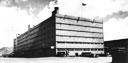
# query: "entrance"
60,54
76,54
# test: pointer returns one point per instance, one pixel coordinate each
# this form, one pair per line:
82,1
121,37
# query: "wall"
76,32
118,50
39,38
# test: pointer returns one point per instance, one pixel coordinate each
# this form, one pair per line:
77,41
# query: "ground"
57,60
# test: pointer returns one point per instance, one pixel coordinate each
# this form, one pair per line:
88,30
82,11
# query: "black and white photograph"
63,31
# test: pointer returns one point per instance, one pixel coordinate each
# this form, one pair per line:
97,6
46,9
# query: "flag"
83,4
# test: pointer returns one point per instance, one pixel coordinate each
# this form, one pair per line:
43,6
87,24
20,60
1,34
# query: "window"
86,49
71,49
61,49
95,49
78,49
69,42
78,43
92,49
100,49
61,42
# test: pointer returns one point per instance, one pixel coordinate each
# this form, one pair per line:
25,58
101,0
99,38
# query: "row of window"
37,36
82,28
73,33
38,40
78,43
78,20
80,49
88,23
30,34
80,25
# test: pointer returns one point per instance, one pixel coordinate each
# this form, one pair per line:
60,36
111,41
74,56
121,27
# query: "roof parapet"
78,18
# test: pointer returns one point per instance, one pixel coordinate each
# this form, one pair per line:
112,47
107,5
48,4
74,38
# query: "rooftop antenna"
29,27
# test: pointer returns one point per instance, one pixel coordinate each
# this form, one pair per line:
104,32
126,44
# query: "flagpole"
83,4
81,11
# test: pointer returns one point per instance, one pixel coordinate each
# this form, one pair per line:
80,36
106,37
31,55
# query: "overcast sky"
16,15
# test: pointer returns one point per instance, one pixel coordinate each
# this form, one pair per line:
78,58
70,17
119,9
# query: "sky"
16,15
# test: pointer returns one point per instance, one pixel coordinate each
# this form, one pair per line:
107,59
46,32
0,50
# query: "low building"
118,49
61,35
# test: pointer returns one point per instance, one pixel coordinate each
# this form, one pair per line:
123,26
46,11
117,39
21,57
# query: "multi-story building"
60,35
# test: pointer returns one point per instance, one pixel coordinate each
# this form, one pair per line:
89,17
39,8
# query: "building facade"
61,35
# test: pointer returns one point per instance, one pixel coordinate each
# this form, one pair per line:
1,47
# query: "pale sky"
16,15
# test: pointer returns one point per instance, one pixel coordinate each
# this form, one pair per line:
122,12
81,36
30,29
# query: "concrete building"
61,35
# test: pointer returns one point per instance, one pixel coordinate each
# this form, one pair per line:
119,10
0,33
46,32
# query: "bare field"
57,60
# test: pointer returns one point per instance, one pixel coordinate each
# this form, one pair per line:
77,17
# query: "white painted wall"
79,28
83,34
